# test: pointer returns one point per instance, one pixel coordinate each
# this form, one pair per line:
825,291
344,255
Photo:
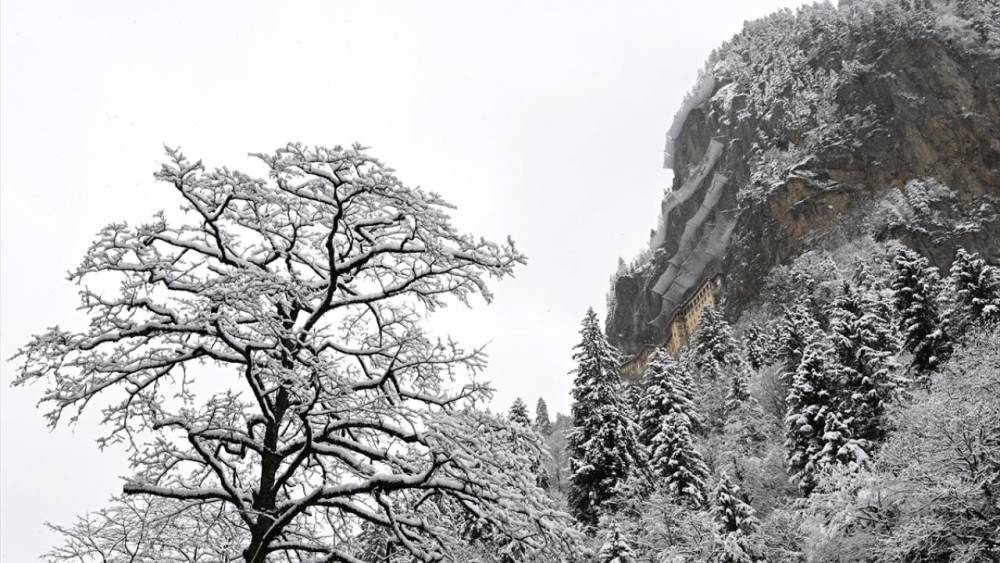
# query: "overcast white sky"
542,120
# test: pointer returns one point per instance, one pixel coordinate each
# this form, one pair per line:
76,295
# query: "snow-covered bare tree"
301,296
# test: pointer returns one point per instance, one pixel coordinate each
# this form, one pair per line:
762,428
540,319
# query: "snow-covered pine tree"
755,347
797,331
914,296
814,427
676,463
543,424
865,345
615,550
602,445
736,520
715,349
839,447
738,391
665,388
975,287
519,413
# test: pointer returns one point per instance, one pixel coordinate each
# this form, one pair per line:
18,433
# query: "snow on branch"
343,415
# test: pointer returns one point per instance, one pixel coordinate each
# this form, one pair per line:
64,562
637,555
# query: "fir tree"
543,424
736,520
914,291
738,391
665,389
602,445
755,346
839,447
676,462
715,349
519,413
615,550
865,345
798,330
975,286
815,434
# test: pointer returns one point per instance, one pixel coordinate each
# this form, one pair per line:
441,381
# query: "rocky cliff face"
872,119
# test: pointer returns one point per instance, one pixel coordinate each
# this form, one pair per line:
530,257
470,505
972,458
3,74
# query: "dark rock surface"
901,141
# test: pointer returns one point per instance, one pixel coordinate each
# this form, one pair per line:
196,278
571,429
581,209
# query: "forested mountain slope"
839,170
820,126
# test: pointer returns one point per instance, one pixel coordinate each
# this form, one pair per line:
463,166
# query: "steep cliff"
814,127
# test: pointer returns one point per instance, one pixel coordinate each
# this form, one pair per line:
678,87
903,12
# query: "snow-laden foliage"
715,349
658,527
933,494
798,330
603,446
615,550
975,288
340,413
665,389
676,463
816,435
915,291
865,346
738,391
736,521
757,345
518,413
543,424
667,415
884,470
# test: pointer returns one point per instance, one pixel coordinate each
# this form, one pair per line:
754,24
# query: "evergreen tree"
602,445
975,286
738,391
865,346
914,291
543,424
839,447
755,346
815,434
798,330
676,462
519,413
665,389
615,550
715,349
736,520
